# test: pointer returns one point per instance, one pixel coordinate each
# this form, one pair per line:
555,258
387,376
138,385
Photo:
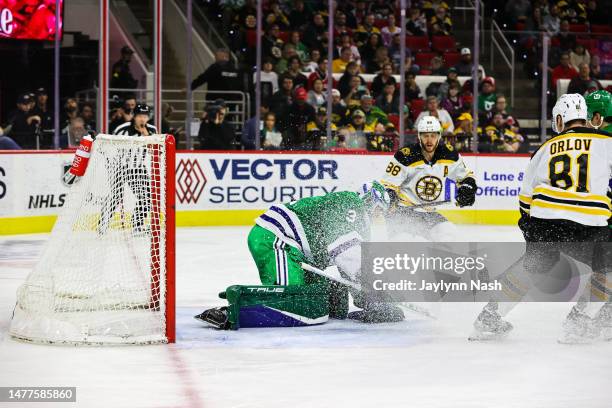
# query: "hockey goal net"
107,274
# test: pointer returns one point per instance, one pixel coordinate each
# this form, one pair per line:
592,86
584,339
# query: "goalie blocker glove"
466,194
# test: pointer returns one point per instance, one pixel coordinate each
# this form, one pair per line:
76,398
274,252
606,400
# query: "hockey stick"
332,273
435,204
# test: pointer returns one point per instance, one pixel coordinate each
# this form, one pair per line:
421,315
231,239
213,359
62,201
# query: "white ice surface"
419,363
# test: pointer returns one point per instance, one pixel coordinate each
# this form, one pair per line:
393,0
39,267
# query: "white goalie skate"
489,325
579,328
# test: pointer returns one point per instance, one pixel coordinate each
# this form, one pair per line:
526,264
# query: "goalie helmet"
429,124
599,102
374,195
569,107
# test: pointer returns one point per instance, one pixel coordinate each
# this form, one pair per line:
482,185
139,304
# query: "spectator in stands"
563,71
316,130
452,101
395,50
390,30
271,45
315,59
71,110
215,133
88,116
517,11
373,114
381,80
597,15
6,143
42,109
271,138
296,40
432,108
437,66
464,66
339,110
283,64
499,138
73,134
294,120
551,21
269,79
388,100
347,41
121,75
283,97
567,40
486,98
220,77
358,14
314,34
430,7
579,55
381,9
357,90
344,85
319,73
339,64
368,50
250,128
462,136
417,24
381,58
299,16
366,29
412,89
451,76
583,82
129,104
340,26
595,68
295,71
23,124
316,97
280,17
359,132
443,20
573,11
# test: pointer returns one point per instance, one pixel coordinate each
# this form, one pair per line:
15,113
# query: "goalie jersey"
567,178
322,228
417,181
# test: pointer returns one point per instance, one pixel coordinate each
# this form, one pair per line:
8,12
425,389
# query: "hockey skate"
579,328
489,325
378,312
217,317
603,319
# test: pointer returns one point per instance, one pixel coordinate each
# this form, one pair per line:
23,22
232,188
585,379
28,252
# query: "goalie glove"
466,194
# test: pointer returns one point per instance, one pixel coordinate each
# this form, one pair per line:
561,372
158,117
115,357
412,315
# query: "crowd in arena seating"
365,113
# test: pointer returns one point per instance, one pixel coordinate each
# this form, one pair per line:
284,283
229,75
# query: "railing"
497,39
238,104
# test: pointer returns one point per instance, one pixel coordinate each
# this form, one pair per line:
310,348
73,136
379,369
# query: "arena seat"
251,38
443,43
416,107
380,23
601,28
417,43
590,44
395,119
423,59
578,28
284,36
451,59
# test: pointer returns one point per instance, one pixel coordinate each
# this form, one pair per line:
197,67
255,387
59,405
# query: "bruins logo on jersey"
428,188
405,151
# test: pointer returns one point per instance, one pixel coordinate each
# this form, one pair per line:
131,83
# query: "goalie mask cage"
107,273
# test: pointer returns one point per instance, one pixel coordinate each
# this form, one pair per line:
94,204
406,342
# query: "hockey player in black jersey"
564,208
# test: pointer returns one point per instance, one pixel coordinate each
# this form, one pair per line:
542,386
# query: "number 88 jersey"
418,181
567,178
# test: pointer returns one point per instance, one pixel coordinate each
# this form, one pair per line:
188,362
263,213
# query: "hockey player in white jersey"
563,200
417,175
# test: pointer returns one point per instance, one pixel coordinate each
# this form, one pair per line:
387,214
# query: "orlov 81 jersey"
567,178
417,181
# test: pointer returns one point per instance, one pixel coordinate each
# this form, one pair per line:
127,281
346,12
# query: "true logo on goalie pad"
429,188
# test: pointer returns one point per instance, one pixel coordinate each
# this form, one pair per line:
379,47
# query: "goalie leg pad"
276,306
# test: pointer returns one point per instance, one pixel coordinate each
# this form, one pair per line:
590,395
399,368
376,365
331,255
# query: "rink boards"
221,188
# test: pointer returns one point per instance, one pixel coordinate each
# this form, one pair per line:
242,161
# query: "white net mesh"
102,277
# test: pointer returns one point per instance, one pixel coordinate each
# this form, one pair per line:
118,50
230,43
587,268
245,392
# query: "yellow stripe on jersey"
525,199
416,163
571,195
446,161
570,207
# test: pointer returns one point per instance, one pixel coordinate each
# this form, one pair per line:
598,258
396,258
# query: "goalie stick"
332,273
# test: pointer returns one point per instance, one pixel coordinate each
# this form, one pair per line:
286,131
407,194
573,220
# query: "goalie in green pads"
320,231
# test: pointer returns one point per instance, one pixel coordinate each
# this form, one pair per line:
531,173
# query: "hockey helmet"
429,124
599,102
569,107
142,109
374,195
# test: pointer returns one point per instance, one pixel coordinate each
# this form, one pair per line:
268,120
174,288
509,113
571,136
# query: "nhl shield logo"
65,176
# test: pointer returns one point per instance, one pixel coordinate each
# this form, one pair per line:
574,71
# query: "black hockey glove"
466,194
523,224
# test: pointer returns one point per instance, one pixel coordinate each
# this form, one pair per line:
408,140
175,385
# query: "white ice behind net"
101,278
